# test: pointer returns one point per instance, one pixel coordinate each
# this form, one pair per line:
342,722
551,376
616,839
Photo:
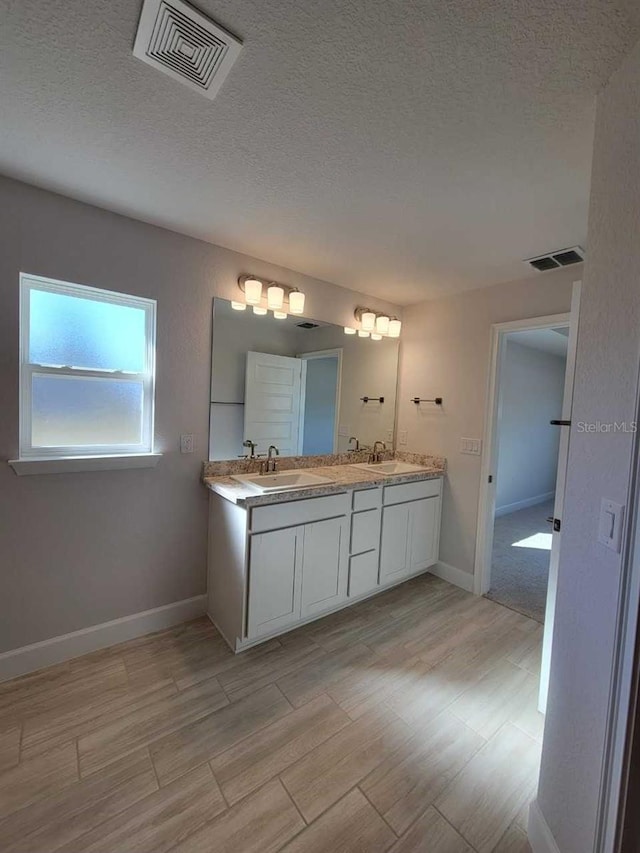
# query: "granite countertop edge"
345,479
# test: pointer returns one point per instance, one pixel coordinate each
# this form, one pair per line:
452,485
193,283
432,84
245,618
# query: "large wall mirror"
298,384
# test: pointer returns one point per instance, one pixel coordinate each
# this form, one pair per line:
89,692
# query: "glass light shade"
394,328
368,321
375,336
349,330
363,334
296,302
253,291
259,311
280,315
239,306
382,325
275,297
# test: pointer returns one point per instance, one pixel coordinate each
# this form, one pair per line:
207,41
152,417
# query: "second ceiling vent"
180,41
560,258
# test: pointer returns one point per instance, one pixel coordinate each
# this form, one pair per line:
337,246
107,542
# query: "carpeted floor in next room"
520,562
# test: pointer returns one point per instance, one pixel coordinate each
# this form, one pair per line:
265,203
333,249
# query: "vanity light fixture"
394,328
382,324
368,320
252,291
363,334
375,336
296,302
275,297
239,306
349,330
259,310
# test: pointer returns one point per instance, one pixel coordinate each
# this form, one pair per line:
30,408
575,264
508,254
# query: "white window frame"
30,453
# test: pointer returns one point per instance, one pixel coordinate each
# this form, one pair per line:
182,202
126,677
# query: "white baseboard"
514,507
453,575
58,649
540,837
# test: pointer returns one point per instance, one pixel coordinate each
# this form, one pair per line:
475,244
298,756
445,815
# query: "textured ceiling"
406,148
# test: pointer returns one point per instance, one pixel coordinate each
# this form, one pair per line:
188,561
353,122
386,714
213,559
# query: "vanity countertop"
343,478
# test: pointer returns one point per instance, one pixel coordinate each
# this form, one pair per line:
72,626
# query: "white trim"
76,464
58,649
527,502
486,504
453,575
538,832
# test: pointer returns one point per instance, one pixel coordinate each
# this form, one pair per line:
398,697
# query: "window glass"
77,332
70,411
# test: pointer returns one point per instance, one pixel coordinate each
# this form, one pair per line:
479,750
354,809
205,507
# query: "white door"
275,564
563,455
272,402
423,530
394,542
324,565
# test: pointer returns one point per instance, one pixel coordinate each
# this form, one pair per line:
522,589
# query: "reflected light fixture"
296,302
382,324
280,315
375,336
239,306
349,330
275,297
252,291
257,309
363,334
394,328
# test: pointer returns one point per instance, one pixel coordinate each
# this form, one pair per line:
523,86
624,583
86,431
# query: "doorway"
530,396
321,402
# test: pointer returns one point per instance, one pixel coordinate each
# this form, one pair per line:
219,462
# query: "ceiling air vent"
307,325
185,44
560,258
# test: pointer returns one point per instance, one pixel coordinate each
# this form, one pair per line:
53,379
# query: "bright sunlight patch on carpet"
541,541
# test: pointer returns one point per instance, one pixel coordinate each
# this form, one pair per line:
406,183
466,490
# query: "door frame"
486,504
307,356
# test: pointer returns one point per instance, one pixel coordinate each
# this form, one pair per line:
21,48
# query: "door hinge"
491,478
557,524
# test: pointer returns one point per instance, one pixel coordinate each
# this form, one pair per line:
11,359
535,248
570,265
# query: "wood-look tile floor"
406,723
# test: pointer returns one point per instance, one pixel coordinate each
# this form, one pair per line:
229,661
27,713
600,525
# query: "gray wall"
445,351
80,549
599,464
320,405
531,393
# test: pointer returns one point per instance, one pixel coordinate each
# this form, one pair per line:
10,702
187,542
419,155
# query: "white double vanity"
310,510
281,558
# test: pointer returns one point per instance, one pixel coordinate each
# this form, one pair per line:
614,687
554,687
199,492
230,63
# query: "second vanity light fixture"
276,294
373,325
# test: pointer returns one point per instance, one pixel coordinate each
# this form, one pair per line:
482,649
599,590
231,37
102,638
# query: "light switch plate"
610,524
402,437
472,446
186,443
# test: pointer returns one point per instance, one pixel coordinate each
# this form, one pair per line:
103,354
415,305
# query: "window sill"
78,464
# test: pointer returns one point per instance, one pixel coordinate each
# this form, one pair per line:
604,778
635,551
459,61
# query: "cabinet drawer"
363,573
291,513
412,491
365,531
366,499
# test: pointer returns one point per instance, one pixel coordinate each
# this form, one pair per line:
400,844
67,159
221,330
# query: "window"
87,371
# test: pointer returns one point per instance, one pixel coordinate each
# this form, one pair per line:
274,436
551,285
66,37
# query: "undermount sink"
281,481
390,468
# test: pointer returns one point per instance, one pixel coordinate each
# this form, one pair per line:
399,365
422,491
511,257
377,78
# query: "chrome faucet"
252,449
271,464
353,449
375,454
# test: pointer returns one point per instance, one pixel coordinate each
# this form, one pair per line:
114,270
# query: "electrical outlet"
187,443
389,435
472,446
402,436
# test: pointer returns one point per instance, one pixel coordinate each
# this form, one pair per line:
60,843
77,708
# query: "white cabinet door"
394,542
275,578
423,533
324,565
